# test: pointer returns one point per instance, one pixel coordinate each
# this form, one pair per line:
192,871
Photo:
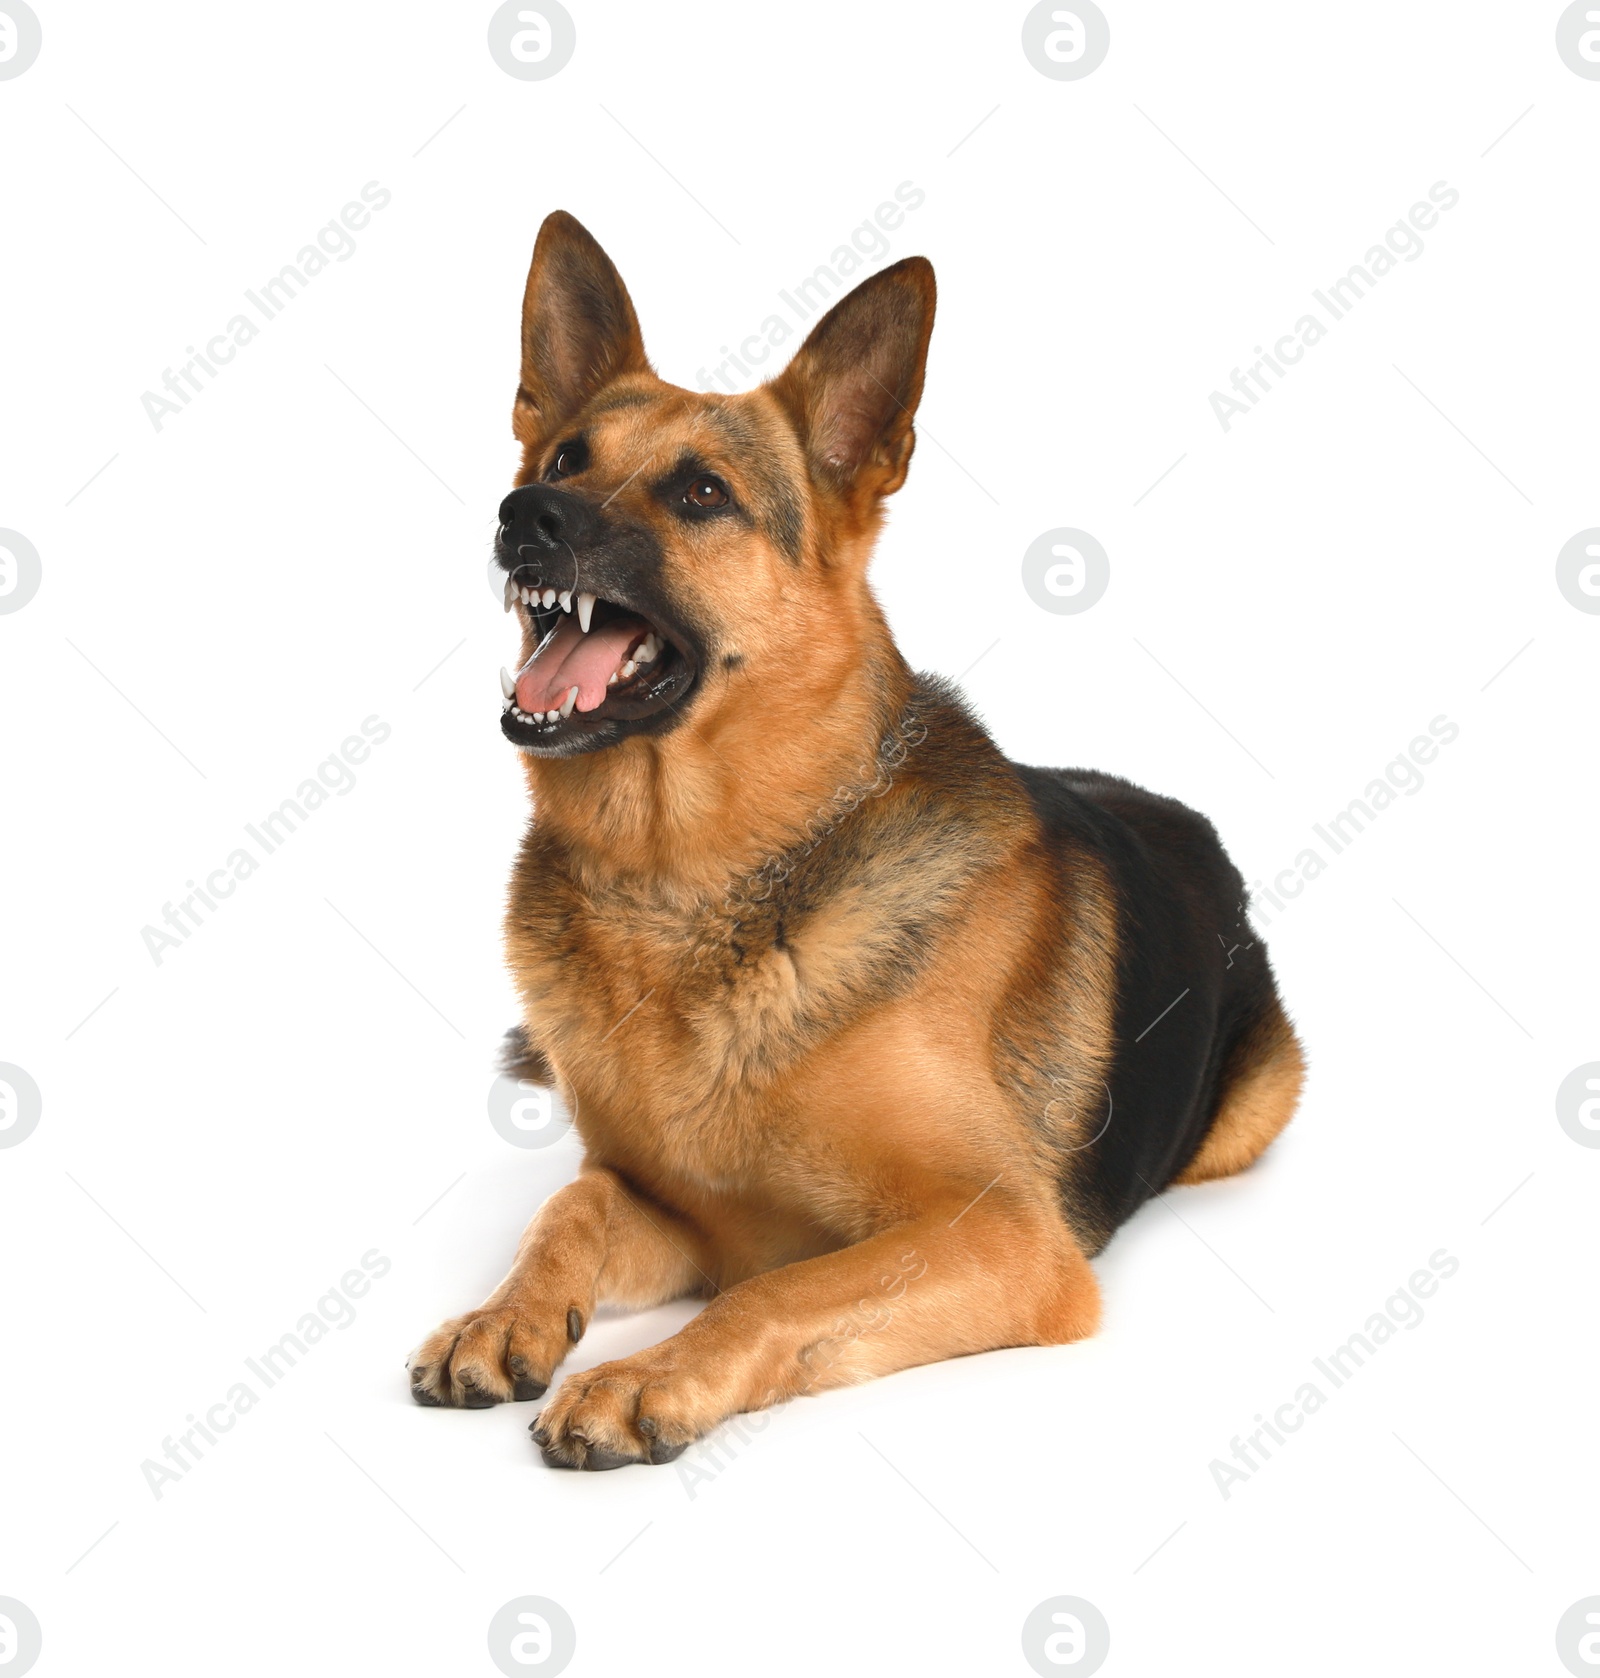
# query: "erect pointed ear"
853,386
579,330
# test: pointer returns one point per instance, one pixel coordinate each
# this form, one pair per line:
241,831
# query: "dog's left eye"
570,458
707,492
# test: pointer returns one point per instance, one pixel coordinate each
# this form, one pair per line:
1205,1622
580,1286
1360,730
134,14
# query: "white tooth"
569,702
647,653
549,597
510,594
566,601
585,611
507,686
627,670
611,680
551,716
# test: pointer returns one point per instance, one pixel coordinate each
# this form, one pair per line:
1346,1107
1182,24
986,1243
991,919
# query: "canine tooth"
627,670
569,702
510,595
565,600
507,686
585,611
648,651
611,680
549,597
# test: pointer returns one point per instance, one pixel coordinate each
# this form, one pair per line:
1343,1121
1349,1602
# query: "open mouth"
597,666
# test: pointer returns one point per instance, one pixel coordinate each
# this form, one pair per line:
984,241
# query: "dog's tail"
521,1059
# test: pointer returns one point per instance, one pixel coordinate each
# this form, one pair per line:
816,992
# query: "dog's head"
670,552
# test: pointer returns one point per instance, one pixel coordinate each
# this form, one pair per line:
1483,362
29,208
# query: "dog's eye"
707,492
570,458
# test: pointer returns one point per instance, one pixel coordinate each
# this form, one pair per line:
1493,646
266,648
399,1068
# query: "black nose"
539,517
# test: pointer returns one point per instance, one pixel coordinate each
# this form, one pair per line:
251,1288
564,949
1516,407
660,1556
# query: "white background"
1293,602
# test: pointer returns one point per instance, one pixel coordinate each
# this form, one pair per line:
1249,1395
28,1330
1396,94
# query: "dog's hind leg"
1264,1076
592,1241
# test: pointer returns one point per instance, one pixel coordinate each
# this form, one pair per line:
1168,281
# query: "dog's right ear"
579,330
853,387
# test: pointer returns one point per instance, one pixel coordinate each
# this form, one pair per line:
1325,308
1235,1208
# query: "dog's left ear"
853,386
579,330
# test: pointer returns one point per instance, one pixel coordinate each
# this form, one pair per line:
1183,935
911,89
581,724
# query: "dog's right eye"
707,492
570,457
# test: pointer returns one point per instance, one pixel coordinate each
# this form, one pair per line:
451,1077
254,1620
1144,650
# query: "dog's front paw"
628,1411
497,1355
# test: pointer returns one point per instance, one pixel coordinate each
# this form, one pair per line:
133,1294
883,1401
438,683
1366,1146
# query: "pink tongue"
572,659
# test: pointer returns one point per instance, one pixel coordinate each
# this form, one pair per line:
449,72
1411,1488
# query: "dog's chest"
694,1000
679,1028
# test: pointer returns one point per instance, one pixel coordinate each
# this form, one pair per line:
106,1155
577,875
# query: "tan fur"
1257,1104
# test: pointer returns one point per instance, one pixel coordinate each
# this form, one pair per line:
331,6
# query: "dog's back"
1197,1013
1136,1028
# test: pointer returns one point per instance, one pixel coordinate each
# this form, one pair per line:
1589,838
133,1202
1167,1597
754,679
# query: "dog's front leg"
590,1242
955,1280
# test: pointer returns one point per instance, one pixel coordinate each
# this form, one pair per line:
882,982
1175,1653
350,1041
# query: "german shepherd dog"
871,1036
